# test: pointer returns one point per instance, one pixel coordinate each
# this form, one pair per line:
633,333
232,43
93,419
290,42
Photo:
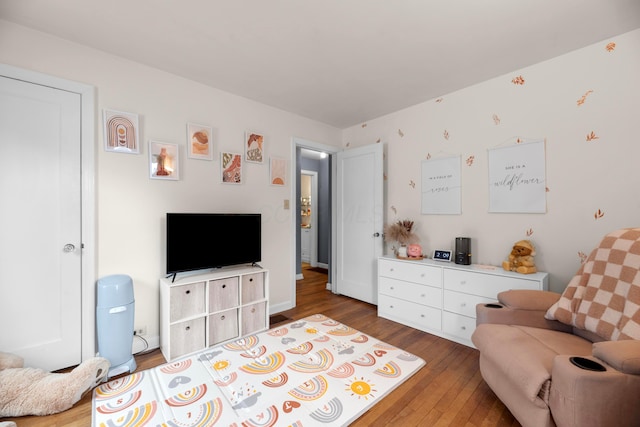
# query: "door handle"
376,234
69,247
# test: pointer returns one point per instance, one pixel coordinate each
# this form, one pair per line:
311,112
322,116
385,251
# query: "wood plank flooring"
448,391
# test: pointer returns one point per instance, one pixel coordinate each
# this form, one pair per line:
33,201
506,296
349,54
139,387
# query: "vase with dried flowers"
400,232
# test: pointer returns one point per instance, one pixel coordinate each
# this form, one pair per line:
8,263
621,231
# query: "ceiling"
340,62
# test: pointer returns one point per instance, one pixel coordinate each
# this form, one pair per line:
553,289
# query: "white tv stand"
201,310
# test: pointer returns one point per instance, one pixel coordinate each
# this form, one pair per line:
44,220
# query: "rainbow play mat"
310,372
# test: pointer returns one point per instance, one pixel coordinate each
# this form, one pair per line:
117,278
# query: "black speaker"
463,250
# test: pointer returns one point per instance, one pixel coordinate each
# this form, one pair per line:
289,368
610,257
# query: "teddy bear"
32,391
521,258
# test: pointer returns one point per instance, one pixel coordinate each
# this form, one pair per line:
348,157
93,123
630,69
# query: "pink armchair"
570,359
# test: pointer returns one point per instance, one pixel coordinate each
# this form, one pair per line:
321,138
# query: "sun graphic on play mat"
361,388
219,365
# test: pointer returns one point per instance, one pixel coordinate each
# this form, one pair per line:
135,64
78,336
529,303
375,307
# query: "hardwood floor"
448,391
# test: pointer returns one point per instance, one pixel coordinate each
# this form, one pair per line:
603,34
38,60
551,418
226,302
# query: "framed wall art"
517,182
277,171
441,186
121,132
231,168
199,141
253,147
164,160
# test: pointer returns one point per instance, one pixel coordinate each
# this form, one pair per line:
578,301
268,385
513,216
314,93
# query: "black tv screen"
197,241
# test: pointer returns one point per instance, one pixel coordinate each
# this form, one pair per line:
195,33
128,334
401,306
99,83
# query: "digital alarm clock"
442,255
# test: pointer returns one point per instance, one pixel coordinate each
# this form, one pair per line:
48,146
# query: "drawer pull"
463,282
253,310
422,295
251,279
464,304
464,328
224,285
422,275
187,292
222,317
392,288
390,306
391,269
188,328
422,315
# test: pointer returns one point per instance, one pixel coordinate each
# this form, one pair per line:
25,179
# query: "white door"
359,218
40,224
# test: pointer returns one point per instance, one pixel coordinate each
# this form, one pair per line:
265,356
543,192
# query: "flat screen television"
197,241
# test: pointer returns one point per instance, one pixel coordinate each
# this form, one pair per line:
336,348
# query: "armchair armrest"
623,355
583,397
521,307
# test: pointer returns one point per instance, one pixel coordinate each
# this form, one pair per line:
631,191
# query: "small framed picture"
277,171
199,141
231,168
253,147
121,132
164,161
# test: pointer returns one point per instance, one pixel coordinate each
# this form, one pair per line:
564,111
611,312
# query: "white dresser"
441,297
202,310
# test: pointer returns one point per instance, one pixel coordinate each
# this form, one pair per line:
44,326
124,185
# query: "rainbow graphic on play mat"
313,389
265,365
188,397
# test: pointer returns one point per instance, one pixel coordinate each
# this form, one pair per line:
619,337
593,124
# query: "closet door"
40,224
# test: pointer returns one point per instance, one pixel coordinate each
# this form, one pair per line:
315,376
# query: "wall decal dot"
446,134
496,119
529,232
378,141
583,98
428,156
412,183
364,125
582,257
395,211
592,136
518,80
599,214
610,47
470,160
400,133
439,100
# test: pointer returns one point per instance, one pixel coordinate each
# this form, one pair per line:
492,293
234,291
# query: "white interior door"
360,221
40,224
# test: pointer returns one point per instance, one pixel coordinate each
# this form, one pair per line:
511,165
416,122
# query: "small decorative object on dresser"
401,233
521,258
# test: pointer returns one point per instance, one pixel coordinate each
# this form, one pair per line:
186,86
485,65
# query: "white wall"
582,176
131,207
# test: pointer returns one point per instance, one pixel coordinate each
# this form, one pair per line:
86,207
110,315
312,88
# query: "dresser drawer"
486,285
186,301
461,303
254,318
411,272
252,287
458,325
409,313
223,326
223,293
408,291
187,337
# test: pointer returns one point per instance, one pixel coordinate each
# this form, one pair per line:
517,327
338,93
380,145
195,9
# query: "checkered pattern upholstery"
604,295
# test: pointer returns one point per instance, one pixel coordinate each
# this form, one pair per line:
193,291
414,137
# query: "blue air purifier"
114,322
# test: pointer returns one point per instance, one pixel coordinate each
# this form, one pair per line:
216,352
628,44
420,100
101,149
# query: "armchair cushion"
623,356
604,296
